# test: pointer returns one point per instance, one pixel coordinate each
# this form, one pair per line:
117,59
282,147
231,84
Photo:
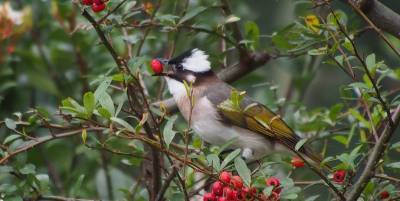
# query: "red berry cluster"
231,188
97,5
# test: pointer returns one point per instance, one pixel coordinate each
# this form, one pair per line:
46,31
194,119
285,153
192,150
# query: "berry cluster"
231,188
97,5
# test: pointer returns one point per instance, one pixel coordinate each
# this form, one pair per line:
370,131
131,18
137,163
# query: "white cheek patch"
197,62
176,88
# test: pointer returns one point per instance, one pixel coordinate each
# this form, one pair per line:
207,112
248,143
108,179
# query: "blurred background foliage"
53,54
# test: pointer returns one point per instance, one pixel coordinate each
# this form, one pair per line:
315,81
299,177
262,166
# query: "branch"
381,15
231,74
60,198
374,157
45,139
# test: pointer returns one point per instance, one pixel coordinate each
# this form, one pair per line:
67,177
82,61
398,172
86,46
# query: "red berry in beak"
87,2
157,66
98,7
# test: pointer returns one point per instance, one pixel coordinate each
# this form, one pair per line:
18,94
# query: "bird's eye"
179,67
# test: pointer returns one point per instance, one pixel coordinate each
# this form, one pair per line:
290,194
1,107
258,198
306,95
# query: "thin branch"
45,139
60,198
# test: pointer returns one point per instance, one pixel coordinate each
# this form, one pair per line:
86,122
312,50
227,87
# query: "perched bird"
219,113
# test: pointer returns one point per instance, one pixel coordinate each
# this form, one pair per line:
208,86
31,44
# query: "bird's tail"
314,157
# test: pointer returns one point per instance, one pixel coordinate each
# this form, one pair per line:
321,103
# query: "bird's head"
189,66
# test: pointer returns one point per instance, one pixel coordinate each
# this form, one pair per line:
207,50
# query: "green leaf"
28,169
168,132
89,102
319,51
300,144
243,170
370,61
106,102
104,112
231,19
102,88
10,124
395,165
229,158
123,123
11,138
253,33
84,136
213,160
192,13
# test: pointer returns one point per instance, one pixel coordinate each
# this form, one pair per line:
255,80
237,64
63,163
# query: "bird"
219,113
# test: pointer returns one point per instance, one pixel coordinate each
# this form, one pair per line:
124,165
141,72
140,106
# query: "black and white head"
190,66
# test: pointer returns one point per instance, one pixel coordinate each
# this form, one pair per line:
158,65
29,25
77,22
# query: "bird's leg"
247,154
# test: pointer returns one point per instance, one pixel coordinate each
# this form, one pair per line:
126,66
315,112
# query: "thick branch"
381,15
231,74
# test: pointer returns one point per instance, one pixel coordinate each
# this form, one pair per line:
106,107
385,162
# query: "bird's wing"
250,115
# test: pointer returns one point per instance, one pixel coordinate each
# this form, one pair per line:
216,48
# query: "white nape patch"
176,88
197,62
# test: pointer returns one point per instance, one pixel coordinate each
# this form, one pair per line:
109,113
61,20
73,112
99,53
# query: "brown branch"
45,139
60,198
372,24
382,16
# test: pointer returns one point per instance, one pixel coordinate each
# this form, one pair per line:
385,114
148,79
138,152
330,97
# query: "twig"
60,198
45,139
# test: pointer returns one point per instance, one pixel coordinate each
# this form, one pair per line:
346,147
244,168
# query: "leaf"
395,165
10,124
28,169
312,198
106,102
89,102
243,170
84,136
319,51
104,112
213,160
168,133
192,13
231,19
370,61
253,33
229,158
11,138
123,123
300,144
102,88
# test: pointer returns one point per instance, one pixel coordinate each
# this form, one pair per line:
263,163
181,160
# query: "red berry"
274,197
230,194
98,7
237,182
225,176
98,2
339,176
209,197
273,181
157,66
217,188
277,190
87,2
223,199
297,162
384,194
